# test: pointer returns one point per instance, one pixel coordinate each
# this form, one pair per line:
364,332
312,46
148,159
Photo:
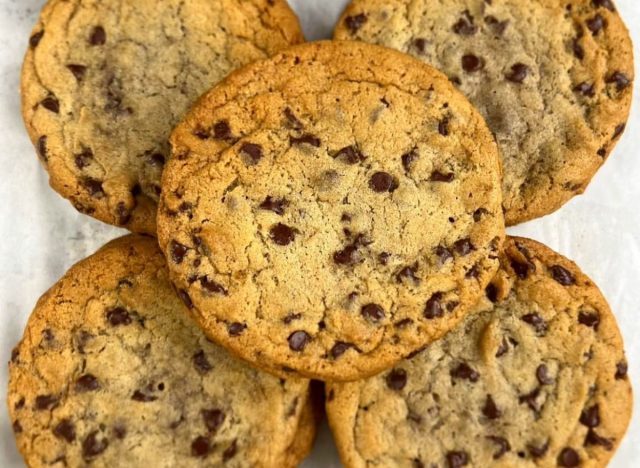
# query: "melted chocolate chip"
92,446
291,317
457,459
42,147
618,131
463,371
35,39
586,89
463,247
536,321
437,176
282,234
531,399
503,446
252,152
408,273
596,24
83,159
298,340
490,410
142,397
538,451
621,80
578,51
498,27
236,328
384,257
602,152
51,104
307,138
339,349
347,256
201,363
568,457
292,120
592,438
212,287
562,275
443,254
222,131
78,71
46,402
608,4
354,23
420,44
98,36
396,379
66,430
94,187
118,316
408,159
372,312
518,73
178,251
350,155
491,292
200,447
464,26
621,370
382,182
87,383
230,451
589,319
213,419
277,205
184,296
542,374
590,417
433,308
472,63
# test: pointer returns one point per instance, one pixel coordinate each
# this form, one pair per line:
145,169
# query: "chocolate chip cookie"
537,377
112,372
331,210
552,78
104,82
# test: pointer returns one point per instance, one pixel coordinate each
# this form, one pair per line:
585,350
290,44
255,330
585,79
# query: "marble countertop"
41,235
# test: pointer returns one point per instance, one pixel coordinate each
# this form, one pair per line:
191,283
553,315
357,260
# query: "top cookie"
332,209
535,378
104,82
112,373
552,78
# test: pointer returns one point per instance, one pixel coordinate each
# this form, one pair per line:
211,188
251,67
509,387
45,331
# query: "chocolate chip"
536,321
578,51
602,152
142,397
94,187
20,403
66,430
184,296
521,269
472,63
222,131
568,457
409,273
51,104
531,399
491,292
562,275
621,370
433,308
307,138
200,447
277,205
595,24
83,159
282,234
464,26
291,317
443,254
92,446
213,419
339,349
589,319
42,147
490,410
593,438
98,36
437,176
252,152
498,27
463,247
381,182
538,451
212,287
347,256
350,155
542,373
292,120
618,131
178,251
518,73
236,329
354,23
621,80
201,363
17,427
590,417
34,40
230,451
372,312
463,371
298,340
585,89
503,446
608,4
118,316
77,70
384,257
457,459
408,159
396,379
420,44
87,383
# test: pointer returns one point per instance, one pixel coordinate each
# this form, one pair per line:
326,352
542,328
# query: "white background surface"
41,235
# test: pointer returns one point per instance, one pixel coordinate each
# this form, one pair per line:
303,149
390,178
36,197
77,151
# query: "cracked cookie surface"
331,210
105,81
552,78
112,372
537,377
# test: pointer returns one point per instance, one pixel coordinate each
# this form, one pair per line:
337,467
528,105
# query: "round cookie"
104,82
537,377
331,210
552,78
112,372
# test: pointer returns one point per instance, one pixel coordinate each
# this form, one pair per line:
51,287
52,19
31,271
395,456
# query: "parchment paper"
41,235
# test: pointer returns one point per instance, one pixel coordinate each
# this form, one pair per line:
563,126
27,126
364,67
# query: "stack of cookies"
332,211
